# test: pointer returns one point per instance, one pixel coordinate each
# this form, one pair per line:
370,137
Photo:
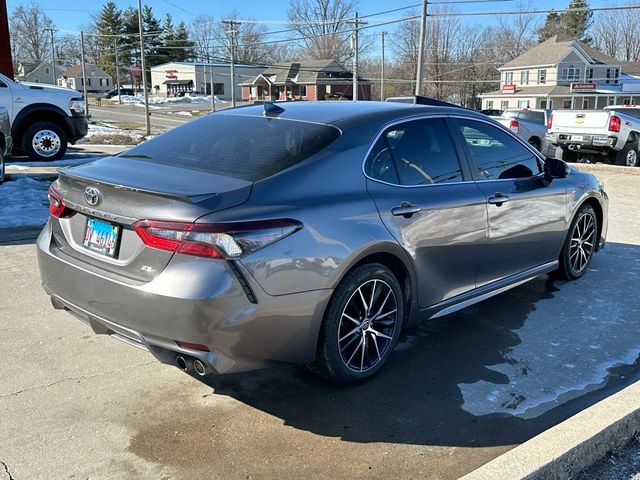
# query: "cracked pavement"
89,406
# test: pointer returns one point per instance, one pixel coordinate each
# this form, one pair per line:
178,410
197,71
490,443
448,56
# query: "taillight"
214,240
57,208
514,126
614,123
550,121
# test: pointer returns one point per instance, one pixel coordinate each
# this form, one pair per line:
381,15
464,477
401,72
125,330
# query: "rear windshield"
248,148
536,117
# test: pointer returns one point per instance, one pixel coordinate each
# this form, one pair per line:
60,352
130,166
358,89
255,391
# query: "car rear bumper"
584,142
212,308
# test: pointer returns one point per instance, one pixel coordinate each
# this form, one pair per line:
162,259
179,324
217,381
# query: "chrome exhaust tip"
184,364
200,368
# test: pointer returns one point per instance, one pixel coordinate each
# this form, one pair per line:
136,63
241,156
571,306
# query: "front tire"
628,156
361,325
580,244
44,141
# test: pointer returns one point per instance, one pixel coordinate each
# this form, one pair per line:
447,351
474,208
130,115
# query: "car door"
429,203
526,214
6,97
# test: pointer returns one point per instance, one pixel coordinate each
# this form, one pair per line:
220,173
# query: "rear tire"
628,156
579,245
361,325
535,143
44,141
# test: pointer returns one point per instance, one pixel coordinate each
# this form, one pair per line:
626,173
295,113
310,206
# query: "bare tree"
323,25
206,34
249,39
475,66
616,34
29,37
514,34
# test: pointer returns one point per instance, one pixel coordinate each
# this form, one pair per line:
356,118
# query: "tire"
1,165
44,141
628,156
583,231
535,143
356,339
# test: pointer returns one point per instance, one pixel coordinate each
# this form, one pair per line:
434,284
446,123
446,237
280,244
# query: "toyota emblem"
92,196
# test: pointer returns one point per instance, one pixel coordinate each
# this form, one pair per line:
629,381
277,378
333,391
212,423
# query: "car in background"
309,232
529,124
491,112
5,139
114,92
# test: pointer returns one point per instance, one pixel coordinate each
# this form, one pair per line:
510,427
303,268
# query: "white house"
98,80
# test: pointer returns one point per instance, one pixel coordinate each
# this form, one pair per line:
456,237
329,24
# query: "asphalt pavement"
458,391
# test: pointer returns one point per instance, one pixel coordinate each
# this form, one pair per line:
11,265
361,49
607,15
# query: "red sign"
508,88
171,74
582,87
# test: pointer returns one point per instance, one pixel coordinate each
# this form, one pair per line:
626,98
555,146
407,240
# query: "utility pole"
117,72
213,98
53,56
423,33
84,76
382,34
354,45
147,118
6,62
232,41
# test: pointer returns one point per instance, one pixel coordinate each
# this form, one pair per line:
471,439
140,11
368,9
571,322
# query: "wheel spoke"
384,302
352,332
355,350
375,343
379,334
351,318
364,348
349,343
364,302
378,317
373,292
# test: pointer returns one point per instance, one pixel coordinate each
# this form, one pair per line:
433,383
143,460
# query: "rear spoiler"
422,100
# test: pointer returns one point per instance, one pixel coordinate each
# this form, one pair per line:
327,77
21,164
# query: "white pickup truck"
44,119
592,136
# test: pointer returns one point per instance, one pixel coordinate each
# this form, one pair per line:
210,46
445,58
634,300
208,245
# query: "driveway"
458,391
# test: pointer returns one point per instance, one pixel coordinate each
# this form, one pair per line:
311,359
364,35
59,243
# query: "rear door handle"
498,199
405,210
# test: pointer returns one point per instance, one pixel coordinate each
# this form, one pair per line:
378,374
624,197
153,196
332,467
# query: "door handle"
498,199
405,210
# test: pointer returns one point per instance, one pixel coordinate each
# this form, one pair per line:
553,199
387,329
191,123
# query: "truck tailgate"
580,121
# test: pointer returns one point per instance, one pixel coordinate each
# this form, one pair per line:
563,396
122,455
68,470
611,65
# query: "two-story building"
564,73
98,81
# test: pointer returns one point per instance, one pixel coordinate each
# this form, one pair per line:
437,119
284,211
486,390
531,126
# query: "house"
564,73
305,80
98,81
38,72
181,78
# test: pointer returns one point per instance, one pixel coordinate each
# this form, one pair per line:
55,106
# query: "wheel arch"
39,112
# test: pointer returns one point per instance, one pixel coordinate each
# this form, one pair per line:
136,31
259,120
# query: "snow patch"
23,202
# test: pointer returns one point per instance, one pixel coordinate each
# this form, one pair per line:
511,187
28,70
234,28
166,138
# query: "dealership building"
565,73
181,78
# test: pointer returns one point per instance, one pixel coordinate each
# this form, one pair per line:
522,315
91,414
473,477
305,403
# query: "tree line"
461,58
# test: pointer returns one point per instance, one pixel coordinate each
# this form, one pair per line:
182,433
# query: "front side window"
419,152
495,154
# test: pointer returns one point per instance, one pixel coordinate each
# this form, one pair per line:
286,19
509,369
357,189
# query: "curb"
571,446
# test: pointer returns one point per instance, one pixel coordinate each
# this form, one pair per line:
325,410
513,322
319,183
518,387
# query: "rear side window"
248,148
418,152
495,154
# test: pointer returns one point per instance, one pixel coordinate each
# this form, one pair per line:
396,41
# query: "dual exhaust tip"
187,364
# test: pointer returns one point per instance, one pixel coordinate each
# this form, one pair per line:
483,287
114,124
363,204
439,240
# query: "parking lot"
458,392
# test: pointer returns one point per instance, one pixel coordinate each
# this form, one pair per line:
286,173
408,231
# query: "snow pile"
109,131
69,160
138,99
23,202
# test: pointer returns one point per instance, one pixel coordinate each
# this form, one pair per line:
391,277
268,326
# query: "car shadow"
496,373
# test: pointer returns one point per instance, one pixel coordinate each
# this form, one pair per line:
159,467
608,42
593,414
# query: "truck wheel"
535,143
44,141
628,156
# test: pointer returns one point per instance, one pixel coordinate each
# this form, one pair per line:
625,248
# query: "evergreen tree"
575,24
186,47
109,24
552,26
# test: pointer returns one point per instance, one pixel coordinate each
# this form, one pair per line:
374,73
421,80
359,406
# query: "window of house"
508,77
566,103
46,69
570,74
88,81
542,75
523,103
612,101
218,88
524,77
496,154
303,90
589,75
504,104
489,104
36,80
543,104
419,152
585,104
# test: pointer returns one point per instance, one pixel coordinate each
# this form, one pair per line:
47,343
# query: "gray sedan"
309,232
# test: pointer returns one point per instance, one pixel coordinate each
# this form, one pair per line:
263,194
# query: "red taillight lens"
193,346
550,121
57,208
514,126
219,240
614,123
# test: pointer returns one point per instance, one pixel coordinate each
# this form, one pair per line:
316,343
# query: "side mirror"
554,168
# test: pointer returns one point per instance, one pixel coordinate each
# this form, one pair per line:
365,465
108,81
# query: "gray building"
38,72
98,81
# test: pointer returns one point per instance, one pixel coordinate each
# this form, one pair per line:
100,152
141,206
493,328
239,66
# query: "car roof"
332,112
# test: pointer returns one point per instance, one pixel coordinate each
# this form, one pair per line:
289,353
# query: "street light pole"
53,56
117,72
423,33
147,118
232,41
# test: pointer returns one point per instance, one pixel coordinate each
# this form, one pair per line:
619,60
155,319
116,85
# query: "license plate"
577,138
101,237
